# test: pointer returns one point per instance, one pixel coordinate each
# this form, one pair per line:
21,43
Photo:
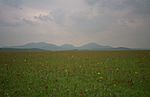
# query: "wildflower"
110,94
66,70
136,72
7,95
67,90
29,88
117,69
80,66
86,90
101,77
25,60
114,85
98,73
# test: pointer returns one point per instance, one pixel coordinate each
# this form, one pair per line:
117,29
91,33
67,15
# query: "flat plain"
75,74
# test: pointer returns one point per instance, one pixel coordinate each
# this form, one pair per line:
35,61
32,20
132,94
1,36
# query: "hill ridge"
54,47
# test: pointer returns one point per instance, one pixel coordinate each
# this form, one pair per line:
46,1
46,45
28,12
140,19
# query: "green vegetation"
75,74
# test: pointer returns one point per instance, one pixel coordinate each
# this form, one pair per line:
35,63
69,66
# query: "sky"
107,22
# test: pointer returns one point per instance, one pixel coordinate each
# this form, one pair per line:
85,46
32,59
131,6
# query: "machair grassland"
75,74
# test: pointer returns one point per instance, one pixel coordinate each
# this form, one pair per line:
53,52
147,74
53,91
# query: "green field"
75,74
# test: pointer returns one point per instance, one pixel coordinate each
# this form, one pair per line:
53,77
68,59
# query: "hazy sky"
107,22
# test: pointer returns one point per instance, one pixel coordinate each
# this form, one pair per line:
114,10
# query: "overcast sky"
106,22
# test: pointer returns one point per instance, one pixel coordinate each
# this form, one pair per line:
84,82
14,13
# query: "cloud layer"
109,22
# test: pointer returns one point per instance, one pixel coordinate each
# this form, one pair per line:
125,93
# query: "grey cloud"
109,4
59,16
44,18
13,3
105,21
4,22
7,23
139,6
92,2
27,21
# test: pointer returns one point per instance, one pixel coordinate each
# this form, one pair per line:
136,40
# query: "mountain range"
52,47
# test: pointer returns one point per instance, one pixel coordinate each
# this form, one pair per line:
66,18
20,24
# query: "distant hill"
94,46
39,45
20,50
67,47
52,47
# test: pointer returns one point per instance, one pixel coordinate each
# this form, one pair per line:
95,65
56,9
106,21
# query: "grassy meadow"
75,74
